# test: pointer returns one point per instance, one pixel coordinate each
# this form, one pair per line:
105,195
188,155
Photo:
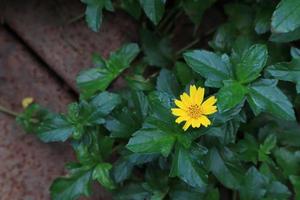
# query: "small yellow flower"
27,101
193,110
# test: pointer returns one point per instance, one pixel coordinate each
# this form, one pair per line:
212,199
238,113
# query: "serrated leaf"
72,187
153,9
254,185
55,129
218,167
209,65
230,95
99,78
288,161
263,18
286,17
264,96
249,65
150,140
286,71
187,169
266,147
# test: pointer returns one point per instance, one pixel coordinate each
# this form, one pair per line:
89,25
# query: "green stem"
187,47
76,18
7,111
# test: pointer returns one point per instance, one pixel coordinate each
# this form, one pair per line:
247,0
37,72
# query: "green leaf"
93,12
105,102
132,191
153,9
296,183
224,37
151,140
132,7
266,147
158,51
209,65
252,61
182,191
254,185
285,37
264,96
286,17
232,94
73,186
295,52
55,129
99,78
286,71
32,117
166,82
187,169
101,173
263,18
278,191
195,9
222,172
288,161
248,149
138,82
183,73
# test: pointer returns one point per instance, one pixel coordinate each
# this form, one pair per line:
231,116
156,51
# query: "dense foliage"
243,52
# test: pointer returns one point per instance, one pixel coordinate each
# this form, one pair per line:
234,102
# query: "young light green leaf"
232,94
266,147
286,71
187,169
286,17
101,173
153,9
264,96
209,65
249,65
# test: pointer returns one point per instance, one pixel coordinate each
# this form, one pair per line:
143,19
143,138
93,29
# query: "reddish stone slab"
27,166
66,47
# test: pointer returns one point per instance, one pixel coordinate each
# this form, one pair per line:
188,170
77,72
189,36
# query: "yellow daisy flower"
27,101
193,110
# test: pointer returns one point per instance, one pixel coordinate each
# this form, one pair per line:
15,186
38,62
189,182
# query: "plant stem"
187,47
76,18
7,111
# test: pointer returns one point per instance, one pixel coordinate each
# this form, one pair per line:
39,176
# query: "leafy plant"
127,139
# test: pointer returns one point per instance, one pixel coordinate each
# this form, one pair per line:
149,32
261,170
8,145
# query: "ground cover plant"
209,108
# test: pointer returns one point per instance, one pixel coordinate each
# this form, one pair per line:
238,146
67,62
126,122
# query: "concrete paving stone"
27,166
66,47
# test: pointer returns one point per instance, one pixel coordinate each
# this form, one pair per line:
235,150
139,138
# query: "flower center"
194,111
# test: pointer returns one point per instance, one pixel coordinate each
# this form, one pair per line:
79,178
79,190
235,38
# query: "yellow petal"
180,119
178,112
193,91
208,110
199,96
204,120
187,125
180,104
196,123
27,101
209,102
185,99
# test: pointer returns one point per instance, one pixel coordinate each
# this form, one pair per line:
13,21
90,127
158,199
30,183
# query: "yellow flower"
193,110
27,101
